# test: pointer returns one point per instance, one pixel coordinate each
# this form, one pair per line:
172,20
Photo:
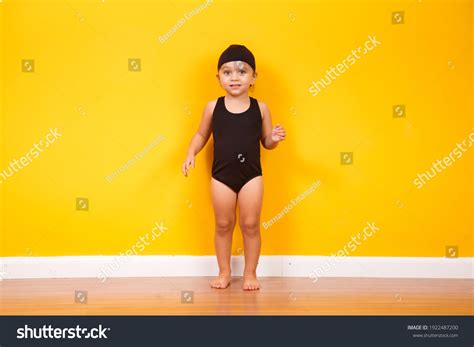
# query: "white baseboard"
280,266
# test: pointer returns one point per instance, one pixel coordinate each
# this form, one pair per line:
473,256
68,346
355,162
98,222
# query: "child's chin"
236,91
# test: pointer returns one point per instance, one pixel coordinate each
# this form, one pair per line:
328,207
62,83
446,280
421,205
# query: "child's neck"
237,98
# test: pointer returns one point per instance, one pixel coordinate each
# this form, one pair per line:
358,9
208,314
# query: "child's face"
236,77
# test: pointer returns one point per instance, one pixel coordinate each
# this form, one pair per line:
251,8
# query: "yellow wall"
107,114
2,130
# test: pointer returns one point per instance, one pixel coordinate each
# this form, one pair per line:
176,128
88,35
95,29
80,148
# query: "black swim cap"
236,53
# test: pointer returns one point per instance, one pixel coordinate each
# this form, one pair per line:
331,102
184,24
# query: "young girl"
238,123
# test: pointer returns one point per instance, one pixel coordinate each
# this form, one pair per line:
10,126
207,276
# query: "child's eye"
242,71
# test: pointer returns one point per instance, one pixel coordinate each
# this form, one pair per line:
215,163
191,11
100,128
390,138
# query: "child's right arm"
200,138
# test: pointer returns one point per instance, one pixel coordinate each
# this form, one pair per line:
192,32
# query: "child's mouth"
235,85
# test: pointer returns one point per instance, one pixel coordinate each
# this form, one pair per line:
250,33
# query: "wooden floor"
277,296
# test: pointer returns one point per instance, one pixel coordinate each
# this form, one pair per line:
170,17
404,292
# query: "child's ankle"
224,272
250,272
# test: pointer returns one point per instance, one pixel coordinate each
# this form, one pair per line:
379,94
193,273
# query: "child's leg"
224,202
250,205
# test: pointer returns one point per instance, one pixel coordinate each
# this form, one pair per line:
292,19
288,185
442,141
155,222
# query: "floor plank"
277,296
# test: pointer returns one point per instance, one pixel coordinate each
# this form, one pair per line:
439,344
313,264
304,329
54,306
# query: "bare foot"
222,281
250,282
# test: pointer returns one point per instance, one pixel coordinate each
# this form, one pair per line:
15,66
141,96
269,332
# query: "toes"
250,286
220,284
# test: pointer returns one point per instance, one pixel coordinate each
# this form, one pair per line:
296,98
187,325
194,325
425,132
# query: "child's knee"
249,226
225,225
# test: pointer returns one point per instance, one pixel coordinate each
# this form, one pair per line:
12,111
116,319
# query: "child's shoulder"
261,104
212,102
263,108
210,106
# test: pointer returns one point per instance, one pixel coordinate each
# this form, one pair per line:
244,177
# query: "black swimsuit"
236,144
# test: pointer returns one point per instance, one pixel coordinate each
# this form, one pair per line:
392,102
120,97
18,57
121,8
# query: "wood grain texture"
277,296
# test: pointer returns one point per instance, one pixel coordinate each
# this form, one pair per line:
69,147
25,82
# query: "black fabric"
236,53
236,144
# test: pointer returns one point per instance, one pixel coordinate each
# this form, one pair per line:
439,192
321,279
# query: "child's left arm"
270,136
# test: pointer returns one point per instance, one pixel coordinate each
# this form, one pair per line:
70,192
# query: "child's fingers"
189,164
279,128
183,168
277,131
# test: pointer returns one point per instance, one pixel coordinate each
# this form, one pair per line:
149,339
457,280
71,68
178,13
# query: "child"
238,123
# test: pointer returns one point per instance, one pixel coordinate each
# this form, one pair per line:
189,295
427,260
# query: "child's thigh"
250,201
224,201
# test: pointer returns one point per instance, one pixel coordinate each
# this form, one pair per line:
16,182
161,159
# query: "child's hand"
278,133
188,162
